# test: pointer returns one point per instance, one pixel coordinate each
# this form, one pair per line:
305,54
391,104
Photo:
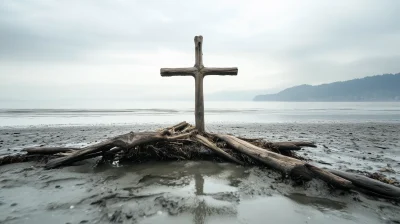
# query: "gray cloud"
59,44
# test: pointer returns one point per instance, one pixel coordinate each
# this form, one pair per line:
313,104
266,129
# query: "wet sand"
198,191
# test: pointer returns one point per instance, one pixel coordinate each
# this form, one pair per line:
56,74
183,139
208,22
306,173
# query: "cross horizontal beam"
191,71
219,71
166,72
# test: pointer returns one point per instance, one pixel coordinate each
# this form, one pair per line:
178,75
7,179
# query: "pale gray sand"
199,192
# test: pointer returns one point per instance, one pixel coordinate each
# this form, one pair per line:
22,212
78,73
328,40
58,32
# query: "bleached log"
18,158
291,166
216,149
369,184
125,141
167,72
286,146
199,102
220,71
292,145
49,150
330,178
276,161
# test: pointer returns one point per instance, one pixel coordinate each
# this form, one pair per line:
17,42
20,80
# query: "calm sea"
27,113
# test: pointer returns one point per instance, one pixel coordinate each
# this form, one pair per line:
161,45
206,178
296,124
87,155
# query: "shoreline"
211,124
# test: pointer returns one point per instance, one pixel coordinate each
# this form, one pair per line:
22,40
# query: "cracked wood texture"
198,72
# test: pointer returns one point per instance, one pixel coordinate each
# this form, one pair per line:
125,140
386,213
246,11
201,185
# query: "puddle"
174,192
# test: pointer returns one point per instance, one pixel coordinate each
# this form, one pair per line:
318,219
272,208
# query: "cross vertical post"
199,102
198,98
198,71
198,43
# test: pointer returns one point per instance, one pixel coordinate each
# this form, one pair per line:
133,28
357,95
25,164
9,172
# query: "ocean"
31,113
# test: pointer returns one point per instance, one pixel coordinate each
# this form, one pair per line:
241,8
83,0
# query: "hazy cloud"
98,49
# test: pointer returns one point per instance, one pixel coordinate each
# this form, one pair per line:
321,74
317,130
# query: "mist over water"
26,113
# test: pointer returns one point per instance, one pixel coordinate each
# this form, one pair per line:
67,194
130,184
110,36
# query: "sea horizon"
163,112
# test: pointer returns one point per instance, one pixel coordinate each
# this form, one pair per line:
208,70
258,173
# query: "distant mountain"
374,88
238,95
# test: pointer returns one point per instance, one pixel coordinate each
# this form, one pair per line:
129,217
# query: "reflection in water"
200,210
203,190
200,213
206,192
321,204
199,183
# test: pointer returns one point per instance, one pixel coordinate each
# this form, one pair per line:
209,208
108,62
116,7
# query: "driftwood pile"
184,142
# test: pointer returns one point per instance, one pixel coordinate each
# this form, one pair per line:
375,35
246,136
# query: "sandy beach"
198,191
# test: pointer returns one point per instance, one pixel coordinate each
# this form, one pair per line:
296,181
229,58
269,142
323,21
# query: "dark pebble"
58,186
13,204
84,221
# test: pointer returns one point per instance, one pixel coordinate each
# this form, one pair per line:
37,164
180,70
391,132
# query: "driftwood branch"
369,184
166,72
125,141
220,71
291,145
49,150
215,148
330,178
273,160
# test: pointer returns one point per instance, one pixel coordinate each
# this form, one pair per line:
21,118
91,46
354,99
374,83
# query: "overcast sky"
115,49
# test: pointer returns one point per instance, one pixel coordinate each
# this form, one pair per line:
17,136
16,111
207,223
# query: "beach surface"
198,191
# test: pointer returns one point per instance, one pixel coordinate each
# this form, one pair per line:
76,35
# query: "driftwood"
369,184
184,142
215,148
296,168
49,150
198,71
292,145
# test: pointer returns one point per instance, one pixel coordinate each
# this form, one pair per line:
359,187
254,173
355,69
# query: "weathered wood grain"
167,72
220,71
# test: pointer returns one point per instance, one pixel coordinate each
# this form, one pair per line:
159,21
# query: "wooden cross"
198,72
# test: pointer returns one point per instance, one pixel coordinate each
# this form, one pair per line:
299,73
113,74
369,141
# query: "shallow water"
88,113
171,192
